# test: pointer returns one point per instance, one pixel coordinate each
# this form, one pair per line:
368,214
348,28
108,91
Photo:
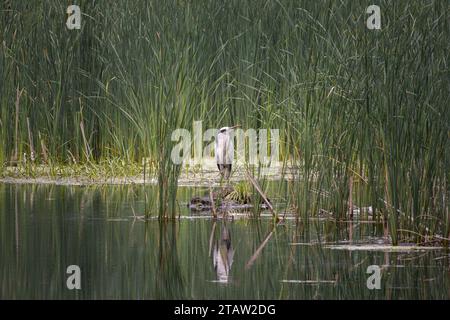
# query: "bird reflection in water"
223,253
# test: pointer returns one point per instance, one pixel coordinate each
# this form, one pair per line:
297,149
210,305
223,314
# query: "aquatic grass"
359,111
241,193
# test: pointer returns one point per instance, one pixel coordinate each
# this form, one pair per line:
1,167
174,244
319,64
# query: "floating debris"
376,247
310,281
224,200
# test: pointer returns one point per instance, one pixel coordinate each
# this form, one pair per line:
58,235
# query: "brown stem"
255,184
15,156
30,141
43,148
86,143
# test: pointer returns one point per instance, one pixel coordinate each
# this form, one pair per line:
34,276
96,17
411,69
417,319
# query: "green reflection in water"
44,229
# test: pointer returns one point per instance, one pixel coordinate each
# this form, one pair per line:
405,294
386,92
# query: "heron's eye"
223,130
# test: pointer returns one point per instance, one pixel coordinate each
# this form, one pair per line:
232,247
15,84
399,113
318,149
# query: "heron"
224,150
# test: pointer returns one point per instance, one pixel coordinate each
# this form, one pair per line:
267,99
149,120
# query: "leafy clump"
241,193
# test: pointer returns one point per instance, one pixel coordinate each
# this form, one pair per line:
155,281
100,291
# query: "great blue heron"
225,150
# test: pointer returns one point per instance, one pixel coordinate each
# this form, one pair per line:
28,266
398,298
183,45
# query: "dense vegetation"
357,108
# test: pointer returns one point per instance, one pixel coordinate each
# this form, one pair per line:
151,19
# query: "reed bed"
363,113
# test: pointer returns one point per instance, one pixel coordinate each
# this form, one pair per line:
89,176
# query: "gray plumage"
224,151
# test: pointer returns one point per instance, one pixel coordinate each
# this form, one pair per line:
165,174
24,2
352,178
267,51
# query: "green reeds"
351,103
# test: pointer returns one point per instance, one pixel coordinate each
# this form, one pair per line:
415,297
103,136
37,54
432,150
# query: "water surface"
44,229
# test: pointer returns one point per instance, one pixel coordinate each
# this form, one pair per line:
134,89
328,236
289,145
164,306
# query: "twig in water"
135,216
255,184
258,251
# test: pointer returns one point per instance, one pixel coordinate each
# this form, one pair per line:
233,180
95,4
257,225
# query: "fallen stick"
261,246
255,184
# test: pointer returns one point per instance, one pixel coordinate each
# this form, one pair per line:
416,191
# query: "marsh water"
46,228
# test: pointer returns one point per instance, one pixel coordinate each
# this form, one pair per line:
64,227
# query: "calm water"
44,229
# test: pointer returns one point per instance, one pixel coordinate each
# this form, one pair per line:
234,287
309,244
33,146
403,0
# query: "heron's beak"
236,126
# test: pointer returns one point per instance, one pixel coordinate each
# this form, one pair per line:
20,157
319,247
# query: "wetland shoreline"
72,176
